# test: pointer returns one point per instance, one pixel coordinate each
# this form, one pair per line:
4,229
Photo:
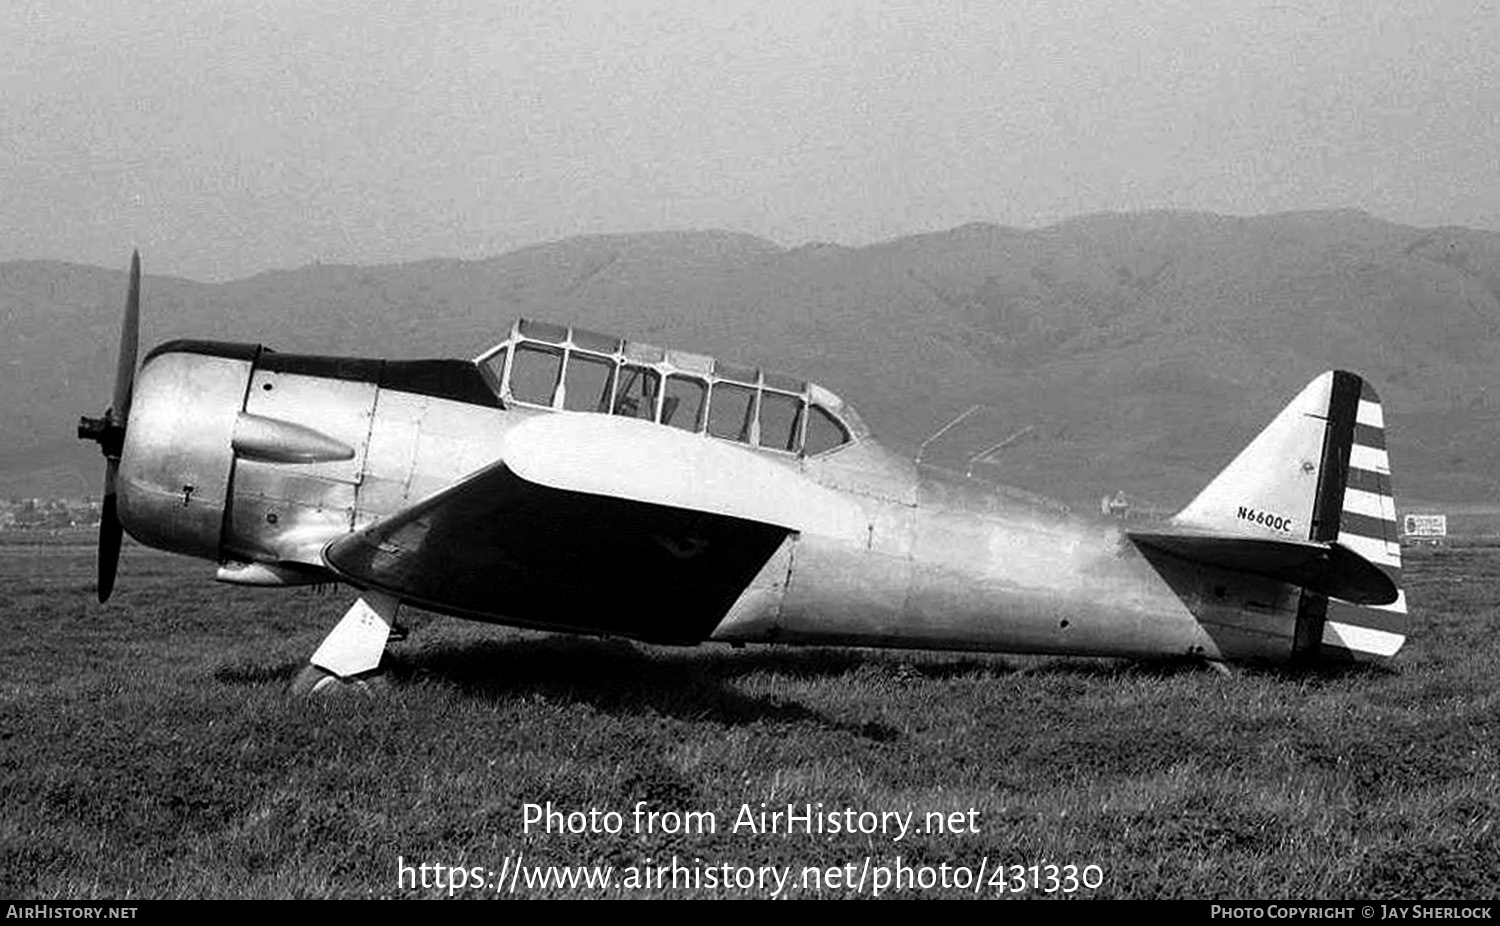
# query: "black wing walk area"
497,547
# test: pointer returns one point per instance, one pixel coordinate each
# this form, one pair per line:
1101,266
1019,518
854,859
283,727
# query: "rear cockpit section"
548,366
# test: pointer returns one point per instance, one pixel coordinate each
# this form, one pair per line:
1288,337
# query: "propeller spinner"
108,431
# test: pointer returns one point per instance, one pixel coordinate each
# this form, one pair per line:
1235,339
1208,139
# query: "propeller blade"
130,336
109,535
109,433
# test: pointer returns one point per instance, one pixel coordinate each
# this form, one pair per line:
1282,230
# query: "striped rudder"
1358,512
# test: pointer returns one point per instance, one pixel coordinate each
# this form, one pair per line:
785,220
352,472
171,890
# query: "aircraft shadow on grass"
613,677
616,676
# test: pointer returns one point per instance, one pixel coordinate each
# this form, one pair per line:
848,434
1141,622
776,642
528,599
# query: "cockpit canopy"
543,365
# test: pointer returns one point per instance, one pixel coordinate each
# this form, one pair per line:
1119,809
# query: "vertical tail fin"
1319,472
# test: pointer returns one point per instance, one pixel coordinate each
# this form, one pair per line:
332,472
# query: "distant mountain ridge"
1135,351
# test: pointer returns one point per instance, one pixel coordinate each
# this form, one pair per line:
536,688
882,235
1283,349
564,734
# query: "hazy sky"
224,138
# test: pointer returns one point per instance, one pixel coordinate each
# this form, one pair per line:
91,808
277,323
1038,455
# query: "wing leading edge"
592,524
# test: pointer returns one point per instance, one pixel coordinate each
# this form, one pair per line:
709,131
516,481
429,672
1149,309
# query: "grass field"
149,749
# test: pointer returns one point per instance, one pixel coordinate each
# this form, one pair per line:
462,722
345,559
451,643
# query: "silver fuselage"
260,468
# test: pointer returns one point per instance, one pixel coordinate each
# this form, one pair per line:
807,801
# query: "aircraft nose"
176,460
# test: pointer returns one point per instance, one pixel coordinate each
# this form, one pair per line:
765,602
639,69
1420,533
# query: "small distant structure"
1425,529
1115,506
49,513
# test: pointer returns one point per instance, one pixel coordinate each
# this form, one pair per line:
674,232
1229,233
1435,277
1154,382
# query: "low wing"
595,524
1325,568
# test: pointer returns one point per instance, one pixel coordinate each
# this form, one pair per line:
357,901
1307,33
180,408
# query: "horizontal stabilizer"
1325,568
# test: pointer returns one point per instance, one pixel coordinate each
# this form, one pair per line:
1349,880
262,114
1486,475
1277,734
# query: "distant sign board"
1426,525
